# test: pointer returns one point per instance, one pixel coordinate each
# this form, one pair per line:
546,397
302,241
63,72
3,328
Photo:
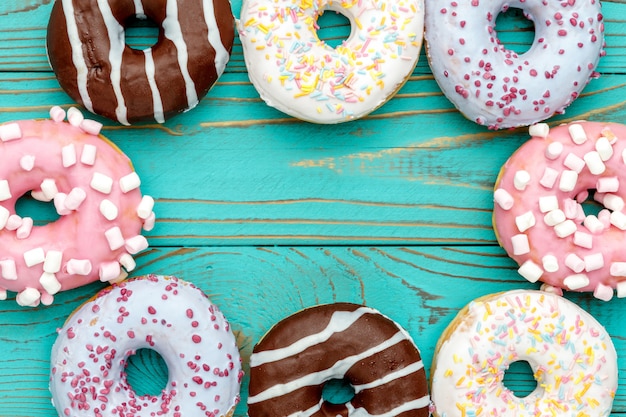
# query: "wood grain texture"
269,215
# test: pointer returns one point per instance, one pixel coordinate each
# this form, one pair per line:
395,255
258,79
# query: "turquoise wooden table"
269,215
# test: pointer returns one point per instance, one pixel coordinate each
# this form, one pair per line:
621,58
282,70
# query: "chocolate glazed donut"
289,366
87,51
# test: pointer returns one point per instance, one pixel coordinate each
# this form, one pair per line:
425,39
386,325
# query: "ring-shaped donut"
539,217
165,314
571,355
289,366
93,64
301,75
95,191
495,86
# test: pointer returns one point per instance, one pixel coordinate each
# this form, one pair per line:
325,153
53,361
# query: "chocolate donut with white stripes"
93,64
357,344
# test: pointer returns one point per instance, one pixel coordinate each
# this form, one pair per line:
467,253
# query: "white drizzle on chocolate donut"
290,365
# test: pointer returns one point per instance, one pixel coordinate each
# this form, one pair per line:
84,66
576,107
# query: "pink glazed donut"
166,314
95,190
495,86
539,215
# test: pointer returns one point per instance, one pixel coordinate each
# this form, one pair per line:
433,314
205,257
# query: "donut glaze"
165,314
95,190
495,86
299,74
570,353
87,51
291,363
538,215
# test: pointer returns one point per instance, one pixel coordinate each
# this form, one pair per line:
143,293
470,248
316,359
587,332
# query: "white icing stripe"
117,44
339,368
339,322
139,9
221,54
173,32
411,405
77,53
309,412
157,103
407,370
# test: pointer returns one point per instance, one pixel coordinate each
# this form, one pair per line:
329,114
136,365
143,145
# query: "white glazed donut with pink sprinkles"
571,355
165,314
301,75
499,88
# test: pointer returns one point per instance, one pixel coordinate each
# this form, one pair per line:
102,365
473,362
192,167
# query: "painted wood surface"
269,215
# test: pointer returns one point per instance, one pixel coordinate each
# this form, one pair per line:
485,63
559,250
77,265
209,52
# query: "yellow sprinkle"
448,373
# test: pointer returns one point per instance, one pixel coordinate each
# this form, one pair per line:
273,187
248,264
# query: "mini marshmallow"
129,182
10,131
521,180
576,281
594,163
5,191
618,219
4,217
621,289
618,269
574,162
554,150
136,244
88,156
27,162
46,299
34,257
575,263
109,271
145,207
114,237
539,130
613,202
149,222
29,297
127,261
502,198
57,113
23,232
3,295
68,155
520,244
577,133
74,116
531,271
594,262
39,196
604,148
9,270
603,292
75,198
551,289
550,263
594,225
565,229
101,183
121,277
108,209
549,177
582,196
49,188
50,283
554,217
78,267
568,180
525,221
59,204
91,126
607,184
14,222
582,239
548,203
52,263
570,208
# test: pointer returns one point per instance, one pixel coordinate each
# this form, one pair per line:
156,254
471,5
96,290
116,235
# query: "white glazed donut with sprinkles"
165,314
301,75
96,193
499,88
571,355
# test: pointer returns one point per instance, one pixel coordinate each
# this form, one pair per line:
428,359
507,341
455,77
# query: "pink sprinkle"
196,338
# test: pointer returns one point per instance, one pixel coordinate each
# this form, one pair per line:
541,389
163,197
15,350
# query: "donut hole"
337,391
146,372
519,379
141,32
515,30
41,212
333,28
590,205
